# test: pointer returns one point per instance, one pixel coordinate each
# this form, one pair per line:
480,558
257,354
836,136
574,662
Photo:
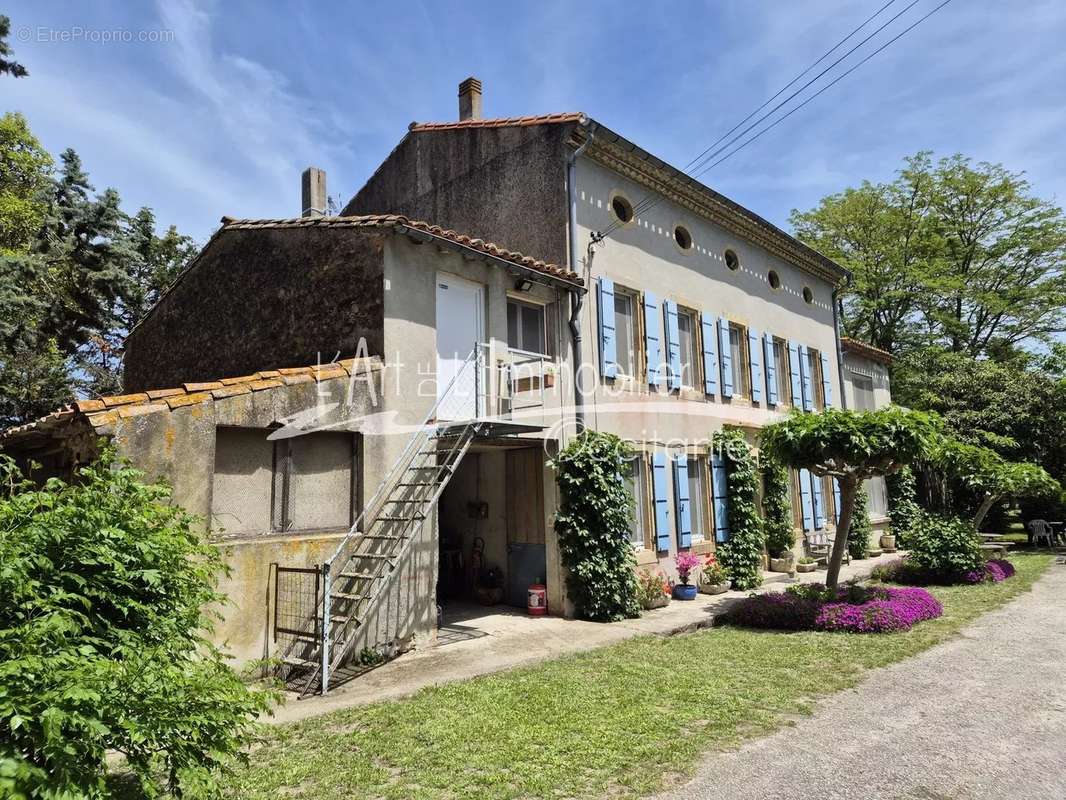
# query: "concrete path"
980,716
500,641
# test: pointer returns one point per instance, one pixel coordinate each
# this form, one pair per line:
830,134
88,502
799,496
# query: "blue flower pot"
684,591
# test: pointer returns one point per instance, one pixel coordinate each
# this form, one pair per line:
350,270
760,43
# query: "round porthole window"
682,237
622,209
774,279
808,295
731,260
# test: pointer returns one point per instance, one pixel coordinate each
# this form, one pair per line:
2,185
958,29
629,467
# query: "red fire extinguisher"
537,603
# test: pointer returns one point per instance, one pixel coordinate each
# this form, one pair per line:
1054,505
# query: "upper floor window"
784,384
622,208
731,260
626,304
814,369
686,331
738,351
526,327
299,483
863,387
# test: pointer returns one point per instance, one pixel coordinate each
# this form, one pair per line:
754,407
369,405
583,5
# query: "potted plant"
549,376
714,579
874,552
888,542
685,563
806,564
653,589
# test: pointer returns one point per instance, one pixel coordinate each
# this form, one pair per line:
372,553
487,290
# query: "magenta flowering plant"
686,562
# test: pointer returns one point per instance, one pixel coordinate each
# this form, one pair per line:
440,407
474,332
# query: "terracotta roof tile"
500,122
400,224
865,350
106,411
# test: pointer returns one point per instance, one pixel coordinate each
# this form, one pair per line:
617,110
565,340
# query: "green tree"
7,65
25,176
953,253
103,640
850,446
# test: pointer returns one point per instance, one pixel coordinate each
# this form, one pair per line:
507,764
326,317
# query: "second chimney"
314,192
470,99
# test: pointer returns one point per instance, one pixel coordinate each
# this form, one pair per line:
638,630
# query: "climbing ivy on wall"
776,507
593,527
859,534
903,509
742,554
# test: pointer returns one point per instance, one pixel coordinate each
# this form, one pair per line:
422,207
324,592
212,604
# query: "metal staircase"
349,583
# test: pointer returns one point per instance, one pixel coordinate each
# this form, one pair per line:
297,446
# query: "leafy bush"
903,507
904,571
593,527
859,534
742,554
944,546
849,608
776,507
103,640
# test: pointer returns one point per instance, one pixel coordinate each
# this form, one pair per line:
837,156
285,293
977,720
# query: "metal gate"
297,603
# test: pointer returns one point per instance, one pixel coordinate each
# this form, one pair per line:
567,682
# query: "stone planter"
888,542
659,602
781,564
874,552
714,588
801,567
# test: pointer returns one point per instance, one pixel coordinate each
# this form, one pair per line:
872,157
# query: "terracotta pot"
714,588
800,567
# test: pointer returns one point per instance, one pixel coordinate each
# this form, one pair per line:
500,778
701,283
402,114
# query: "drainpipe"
836,334
576,295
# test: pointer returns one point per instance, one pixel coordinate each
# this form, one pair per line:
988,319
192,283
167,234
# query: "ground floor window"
702,527
878,503
637,482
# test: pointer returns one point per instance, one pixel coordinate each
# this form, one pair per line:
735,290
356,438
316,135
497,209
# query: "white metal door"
460,326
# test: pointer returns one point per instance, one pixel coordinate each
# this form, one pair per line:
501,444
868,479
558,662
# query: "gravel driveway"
980,716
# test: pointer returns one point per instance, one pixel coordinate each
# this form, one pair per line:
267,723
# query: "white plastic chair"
1040,529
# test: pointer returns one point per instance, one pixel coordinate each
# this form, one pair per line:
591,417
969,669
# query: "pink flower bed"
854,609
995,570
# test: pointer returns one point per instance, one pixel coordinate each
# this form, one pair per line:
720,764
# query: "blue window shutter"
682,501
819,502
827,382
755,359
710,353
794,374
673,345
805,500
805,375
608,343
836,499
771,369
727,357
662,501
721,498
653,339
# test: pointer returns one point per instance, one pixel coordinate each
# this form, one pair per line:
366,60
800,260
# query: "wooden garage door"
525,496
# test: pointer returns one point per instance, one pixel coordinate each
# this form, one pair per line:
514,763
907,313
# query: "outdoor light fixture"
523,284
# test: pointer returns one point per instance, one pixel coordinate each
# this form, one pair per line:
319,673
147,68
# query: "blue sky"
223,118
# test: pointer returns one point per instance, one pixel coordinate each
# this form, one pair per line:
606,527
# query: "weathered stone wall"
504,185
262,299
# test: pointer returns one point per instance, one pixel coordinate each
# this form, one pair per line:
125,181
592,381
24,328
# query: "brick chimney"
470,99
314,192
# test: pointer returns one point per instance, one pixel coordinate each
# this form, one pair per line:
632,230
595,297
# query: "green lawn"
621,720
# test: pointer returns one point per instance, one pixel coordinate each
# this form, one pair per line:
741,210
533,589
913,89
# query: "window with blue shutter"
805,377
682,503
794,374
836,499
673,345
720,481
608,343
652,339
726,352
755,363
805,500
710,353
827,382
771,369
819,502
661,492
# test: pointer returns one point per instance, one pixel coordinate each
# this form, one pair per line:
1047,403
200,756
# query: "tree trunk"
848,488
983,509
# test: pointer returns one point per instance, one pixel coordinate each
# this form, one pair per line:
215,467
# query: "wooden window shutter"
827,381
727,357
771,369
720,481
660,492
682,501
805,500
755,363
653,339
608,343
711,368
673,345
